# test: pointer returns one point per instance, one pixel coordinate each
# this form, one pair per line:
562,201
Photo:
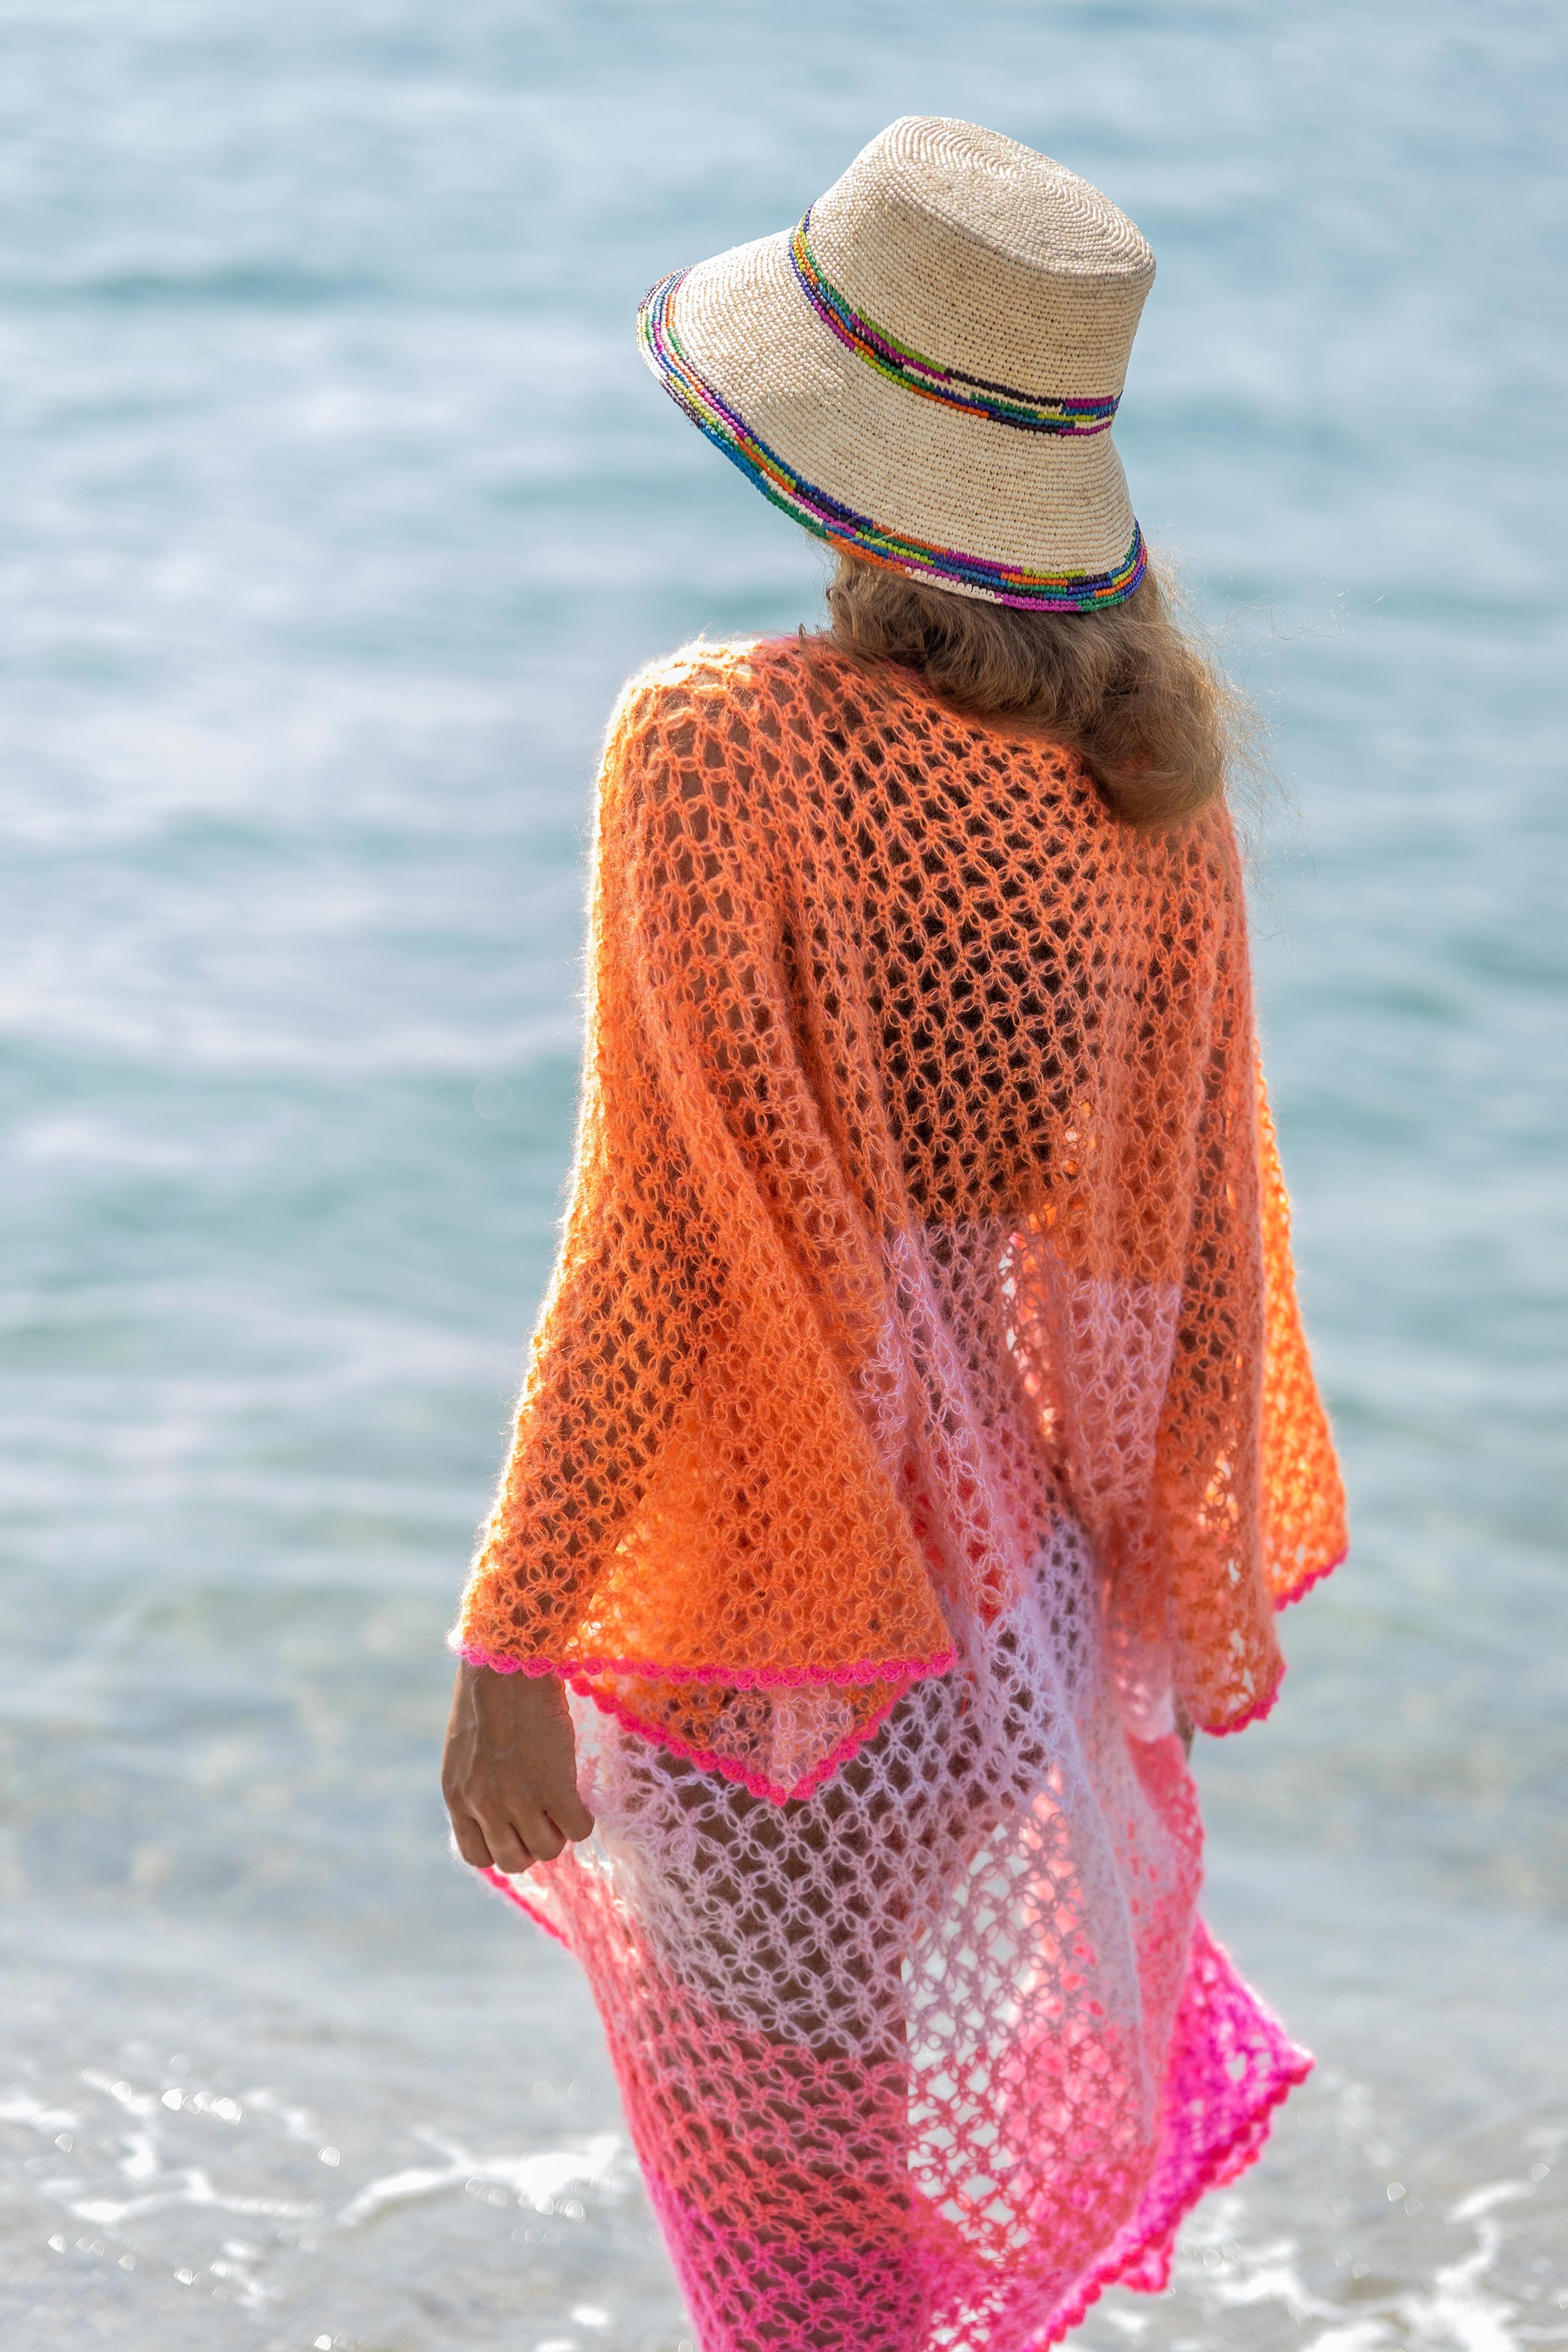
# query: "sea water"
337,505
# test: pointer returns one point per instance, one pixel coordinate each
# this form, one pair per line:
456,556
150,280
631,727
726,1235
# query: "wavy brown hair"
1154,722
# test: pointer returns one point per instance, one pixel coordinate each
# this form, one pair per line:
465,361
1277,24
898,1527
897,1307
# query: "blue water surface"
338,505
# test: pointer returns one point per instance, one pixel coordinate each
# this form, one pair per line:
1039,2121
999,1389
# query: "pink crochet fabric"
931,2056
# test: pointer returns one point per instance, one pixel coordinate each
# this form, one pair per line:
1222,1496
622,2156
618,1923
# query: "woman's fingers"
509,1849
527,1835
471,1841
568,1812
517,1838
544,1840
509,1773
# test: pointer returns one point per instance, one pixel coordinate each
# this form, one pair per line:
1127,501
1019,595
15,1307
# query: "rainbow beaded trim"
830,519
1028,411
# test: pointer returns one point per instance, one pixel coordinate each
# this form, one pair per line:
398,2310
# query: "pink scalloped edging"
728,1767
1265,1706
1248,2141
859,1670
707,1759
1255,1713
902,1671
576,1673
1303,1584
652,1670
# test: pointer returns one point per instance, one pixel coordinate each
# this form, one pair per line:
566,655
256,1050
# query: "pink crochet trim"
1303,1584
1255,1713
862,1670
1265,1706
1151,2253
707,1759
902,1671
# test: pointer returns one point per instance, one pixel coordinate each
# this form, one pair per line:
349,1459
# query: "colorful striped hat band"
1022,275
950,385
828,518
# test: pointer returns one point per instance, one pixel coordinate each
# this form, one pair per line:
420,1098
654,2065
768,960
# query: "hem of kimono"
1265,1706
654,1670
1219,2168
1255,1713
1304,1583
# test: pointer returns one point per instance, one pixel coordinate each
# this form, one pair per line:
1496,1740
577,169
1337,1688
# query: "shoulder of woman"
1209,847
700,728
683,795
706,686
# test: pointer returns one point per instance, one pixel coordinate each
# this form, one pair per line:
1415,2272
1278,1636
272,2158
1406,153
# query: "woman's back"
1013,940
920,1182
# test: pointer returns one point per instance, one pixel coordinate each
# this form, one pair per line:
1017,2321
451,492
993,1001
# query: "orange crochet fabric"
924,1196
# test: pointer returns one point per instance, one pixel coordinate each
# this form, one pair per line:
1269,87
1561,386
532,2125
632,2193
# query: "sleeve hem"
1255,1713
858,1670
1264,1705
1304,1583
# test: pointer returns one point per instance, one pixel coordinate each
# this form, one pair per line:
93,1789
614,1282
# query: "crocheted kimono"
918,1415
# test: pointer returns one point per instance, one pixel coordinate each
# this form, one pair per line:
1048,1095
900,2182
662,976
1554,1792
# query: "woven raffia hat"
926,370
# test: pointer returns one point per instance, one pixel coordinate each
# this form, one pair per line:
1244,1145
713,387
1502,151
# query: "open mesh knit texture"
918,1416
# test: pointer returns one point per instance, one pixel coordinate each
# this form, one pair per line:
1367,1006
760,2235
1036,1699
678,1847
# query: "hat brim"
1031,519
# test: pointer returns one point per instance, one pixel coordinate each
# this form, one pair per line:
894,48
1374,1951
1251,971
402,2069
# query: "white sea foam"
536,2179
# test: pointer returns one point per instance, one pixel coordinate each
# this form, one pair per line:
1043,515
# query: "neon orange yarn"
922,1195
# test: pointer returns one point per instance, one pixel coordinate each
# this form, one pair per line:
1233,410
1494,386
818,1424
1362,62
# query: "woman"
919,1435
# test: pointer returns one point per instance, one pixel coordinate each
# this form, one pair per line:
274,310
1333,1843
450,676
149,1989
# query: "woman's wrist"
520,1688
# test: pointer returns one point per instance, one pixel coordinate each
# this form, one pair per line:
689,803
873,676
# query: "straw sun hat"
926,370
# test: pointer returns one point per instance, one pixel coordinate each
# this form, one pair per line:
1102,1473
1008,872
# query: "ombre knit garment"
919,1414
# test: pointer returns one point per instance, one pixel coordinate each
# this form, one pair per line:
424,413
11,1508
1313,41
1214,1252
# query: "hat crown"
924,371
984,256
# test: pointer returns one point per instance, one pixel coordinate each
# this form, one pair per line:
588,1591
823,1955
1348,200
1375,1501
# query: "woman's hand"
510,1770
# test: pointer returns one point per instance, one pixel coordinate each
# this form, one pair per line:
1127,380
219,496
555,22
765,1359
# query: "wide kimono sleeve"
1249,1507
1303,1496
689,1478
